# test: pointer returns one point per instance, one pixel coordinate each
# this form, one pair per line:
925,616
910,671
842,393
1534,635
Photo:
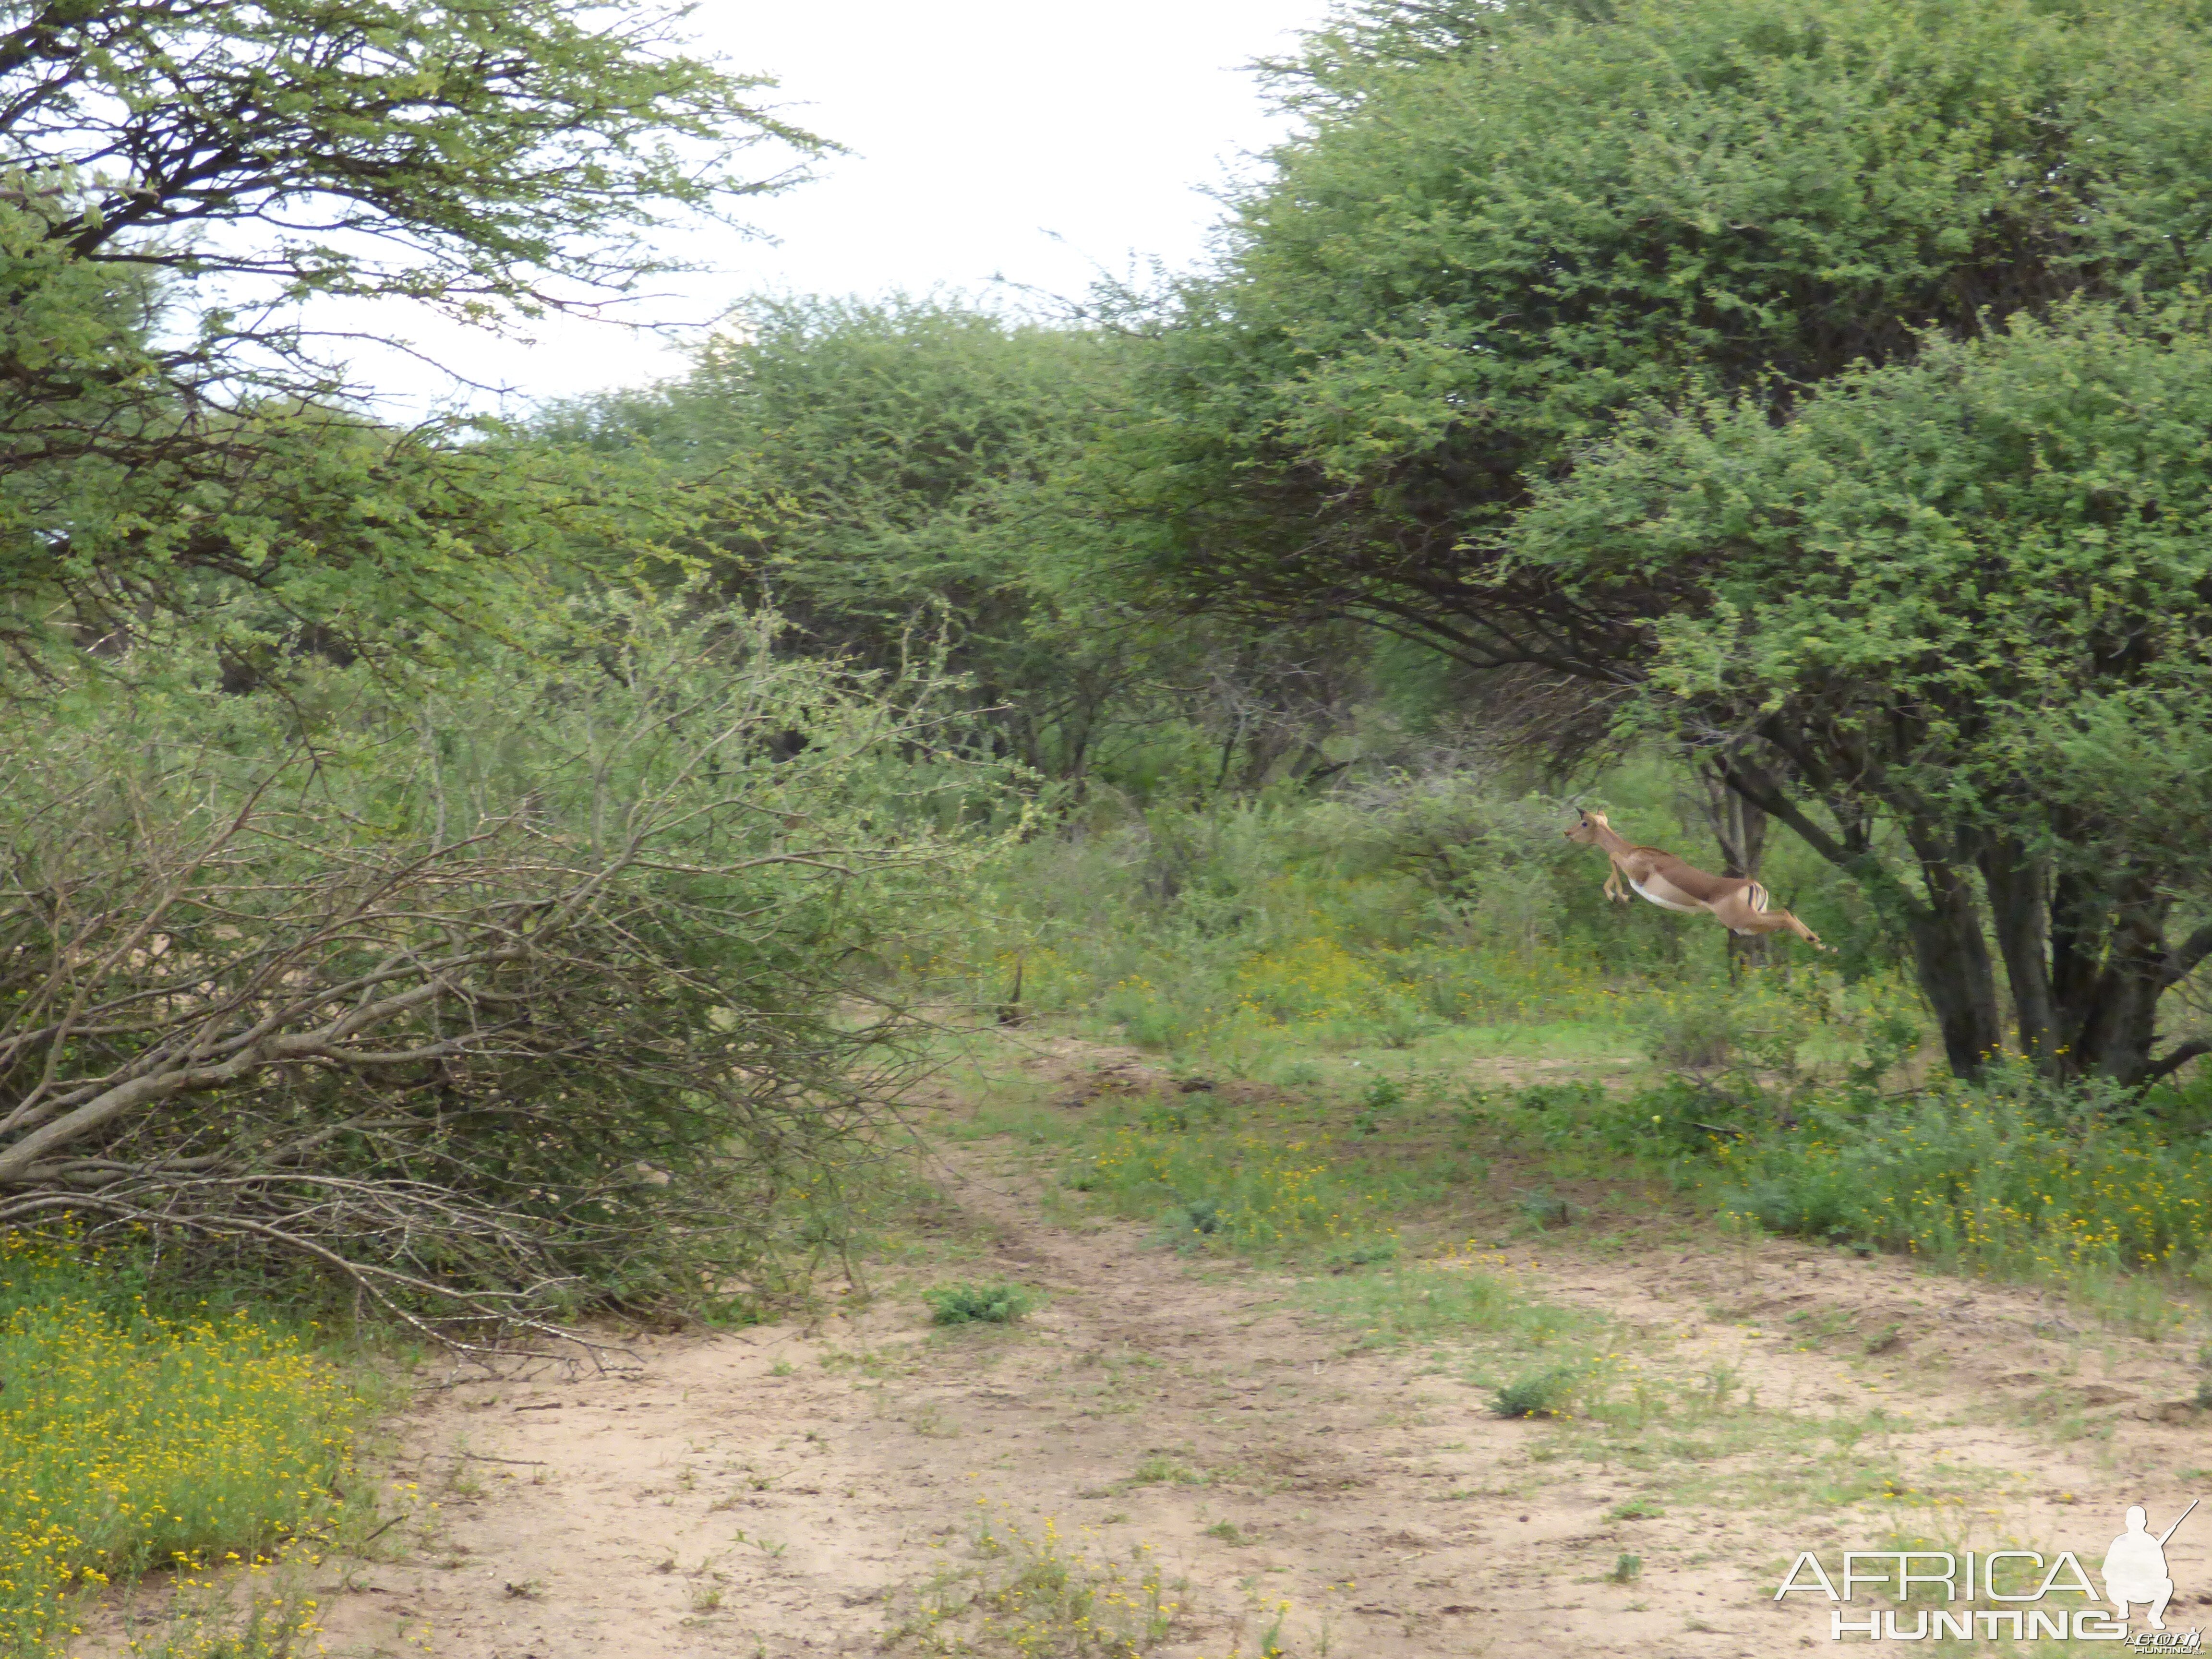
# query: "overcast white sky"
980,130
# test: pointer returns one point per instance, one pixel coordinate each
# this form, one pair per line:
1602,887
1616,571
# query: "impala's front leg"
1615,888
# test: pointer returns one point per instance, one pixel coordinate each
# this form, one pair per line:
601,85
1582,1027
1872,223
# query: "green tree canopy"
902,476
1501,229
179,176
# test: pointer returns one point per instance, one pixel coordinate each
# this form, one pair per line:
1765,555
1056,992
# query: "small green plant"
1541,1393
1636,1509
1161,1470
1201,1215
1627,1569
996,1303
1382,1096
1697,1030
1034,1593
1363,1256
1227,1531
2204,1394
1545,1210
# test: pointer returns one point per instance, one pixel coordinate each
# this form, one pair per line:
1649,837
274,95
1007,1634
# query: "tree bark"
1952,961
2019,889
2115,964
2086,961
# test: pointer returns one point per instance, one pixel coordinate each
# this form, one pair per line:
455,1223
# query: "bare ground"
784,1491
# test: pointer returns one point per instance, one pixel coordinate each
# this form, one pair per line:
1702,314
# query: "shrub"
984,1304
1538,1394
2016,1174
524,993
1545,1210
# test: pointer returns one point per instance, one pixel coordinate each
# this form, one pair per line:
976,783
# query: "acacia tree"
1507,227
177,178
878,472
900,478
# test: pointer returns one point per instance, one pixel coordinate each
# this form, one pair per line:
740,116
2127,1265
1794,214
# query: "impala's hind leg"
1747,911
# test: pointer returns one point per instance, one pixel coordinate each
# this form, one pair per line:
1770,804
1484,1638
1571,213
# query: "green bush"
997,1303
500,996
1540,1394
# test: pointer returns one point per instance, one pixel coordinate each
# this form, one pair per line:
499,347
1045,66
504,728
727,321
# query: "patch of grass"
1545,1210
1636,1508
266,1613
1032,1594
1627,1569
1267,1189
2013,1177
1159,1469
994,1304
128,1440
1428,1303
1362,1256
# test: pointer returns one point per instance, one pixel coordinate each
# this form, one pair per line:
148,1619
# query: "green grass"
1428,1304
1270,1188
2004,1177
131,1442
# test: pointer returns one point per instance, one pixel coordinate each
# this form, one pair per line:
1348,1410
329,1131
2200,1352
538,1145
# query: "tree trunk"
2019,889
2088,961
1953,965
2109,963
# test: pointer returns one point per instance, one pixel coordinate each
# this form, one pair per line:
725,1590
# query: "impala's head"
1583,831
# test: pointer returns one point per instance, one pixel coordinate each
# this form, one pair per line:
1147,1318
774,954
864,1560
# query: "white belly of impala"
1664,904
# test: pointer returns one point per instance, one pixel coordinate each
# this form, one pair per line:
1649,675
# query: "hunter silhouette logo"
2135,1567
2135,1574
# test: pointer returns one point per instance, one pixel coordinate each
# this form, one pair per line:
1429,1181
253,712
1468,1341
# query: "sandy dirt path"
782,1492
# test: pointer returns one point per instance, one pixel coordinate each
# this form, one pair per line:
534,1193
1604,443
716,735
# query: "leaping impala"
1739,903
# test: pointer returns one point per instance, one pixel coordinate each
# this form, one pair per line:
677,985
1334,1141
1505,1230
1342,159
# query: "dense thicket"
513,995
518,979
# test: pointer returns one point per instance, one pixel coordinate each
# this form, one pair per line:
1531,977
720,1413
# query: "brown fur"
1737,901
